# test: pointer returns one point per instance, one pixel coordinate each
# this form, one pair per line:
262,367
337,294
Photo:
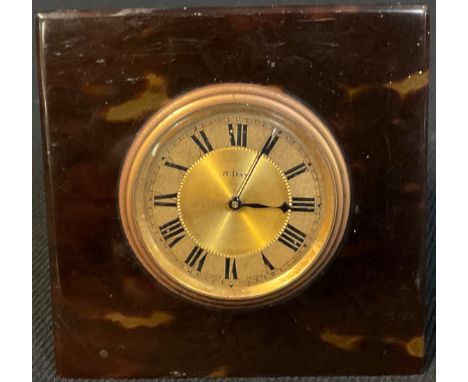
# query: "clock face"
234,196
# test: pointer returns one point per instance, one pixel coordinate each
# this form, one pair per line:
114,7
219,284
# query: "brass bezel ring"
311,128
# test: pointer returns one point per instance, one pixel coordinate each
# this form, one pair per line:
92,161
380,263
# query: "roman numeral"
292,237
230,270
267,262
165,200
303,204
196,256
172,230
241,139
177,166
269,144
204,146
295,171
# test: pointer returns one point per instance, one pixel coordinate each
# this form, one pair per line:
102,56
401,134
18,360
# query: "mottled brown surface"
364,70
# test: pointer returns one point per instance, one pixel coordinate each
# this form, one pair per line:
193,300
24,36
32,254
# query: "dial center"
235,203
219,221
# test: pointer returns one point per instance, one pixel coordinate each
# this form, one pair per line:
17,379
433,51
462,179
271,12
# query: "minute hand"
249,174
265,150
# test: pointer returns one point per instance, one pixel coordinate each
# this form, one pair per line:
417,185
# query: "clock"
235,192
234,195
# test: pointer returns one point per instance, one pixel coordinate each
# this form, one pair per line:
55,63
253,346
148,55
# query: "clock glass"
234,195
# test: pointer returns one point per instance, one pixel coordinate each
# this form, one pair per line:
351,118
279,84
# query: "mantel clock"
236,192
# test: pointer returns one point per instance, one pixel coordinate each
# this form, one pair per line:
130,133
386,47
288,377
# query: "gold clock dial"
234,195
239,230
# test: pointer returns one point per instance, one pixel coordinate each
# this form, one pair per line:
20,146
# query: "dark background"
43,353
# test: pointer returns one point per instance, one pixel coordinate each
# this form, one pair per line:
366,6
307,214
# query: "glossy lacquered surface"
364,70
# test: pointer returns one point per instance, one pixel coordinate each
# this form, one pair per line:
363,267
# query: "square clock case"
236,192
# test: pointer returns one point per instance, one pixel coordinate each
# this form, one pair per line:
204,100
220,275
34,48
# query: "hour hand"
283,207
